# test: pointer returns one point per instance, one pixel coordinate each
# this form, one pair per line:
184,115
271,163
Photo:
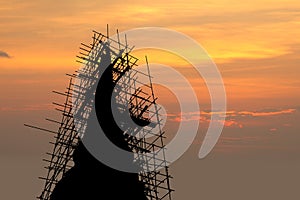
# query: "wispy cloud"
233,118
262,114
3,54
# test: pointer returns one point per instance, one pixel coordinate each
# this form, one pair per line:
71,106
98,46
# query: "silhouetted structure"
73,173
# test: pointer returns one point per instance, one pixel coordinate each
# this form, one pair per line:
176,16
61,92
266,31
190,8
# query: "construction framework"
131,95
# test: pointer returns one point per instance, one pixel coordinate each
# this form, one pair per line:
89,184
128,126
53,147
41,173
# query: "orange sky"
255,44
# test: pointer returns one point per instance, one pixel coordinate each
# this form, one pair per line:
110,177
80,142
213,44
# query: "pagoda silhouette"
72,171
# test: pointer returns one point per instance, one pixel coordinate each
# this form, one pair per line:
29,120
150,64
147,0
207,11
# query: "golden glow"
160,56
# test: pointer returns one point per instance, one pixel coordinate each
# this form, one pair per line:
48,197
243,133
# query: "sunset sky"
255,45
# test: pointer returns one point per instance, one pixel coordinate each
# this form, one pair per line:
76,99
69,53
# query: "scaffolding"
130,95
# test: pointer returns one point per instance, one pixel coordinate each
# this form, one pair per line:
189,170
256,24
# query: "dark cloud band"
4,54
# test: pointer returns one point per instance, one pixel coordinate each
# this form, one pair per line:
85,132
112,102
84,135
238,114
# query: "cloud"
262,114
237,119
4,55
